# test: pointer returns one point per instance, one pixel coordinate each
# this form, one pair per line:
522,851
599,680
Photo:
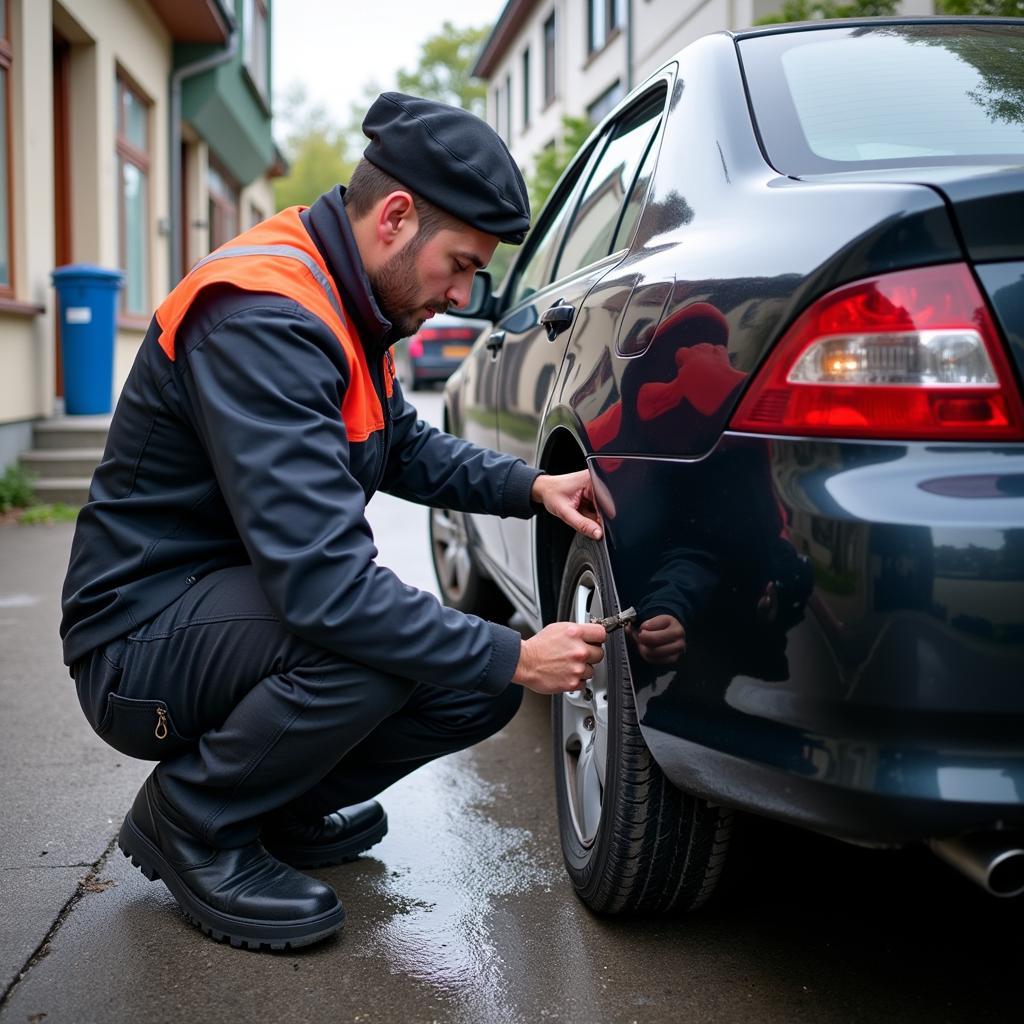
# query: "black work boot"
331,839
242,895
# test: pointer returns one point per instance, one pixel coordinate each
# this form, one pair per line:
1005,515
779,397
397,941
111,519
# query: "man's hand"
560,658
570,496
661,640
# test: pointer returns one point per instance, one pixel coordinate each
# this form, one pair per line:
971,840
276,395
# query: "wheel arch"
562,453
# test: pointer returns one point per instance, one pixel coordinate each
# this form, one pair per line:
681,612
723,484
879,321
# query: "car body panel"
855,616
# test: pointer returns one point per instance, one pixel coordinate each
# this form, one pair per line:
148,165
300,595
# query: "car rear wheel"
632,842
460,580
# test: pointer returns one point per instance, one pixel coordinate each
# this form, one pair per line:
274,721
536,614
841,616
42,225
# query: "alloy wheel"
584,726
451,552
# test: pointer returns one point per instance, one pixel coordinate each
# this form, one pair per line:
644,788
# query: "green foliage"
811,10
45,514
553,160
15,489
988,8
318,150
443,70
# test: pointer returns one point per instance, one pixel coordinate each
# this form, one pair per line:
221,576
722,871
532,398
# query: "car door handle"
495,341
558,318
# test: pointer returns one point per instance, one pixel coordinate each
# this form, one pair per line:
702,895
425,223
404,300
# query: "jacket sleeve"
266,385
431,467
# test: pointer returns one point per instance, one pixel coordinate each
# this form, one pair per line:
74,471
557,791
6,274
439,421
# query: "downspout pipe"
178,76
629,46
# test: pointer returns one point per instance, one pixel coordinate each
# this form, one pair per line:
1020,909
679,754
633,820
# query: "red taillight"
416,346
905,356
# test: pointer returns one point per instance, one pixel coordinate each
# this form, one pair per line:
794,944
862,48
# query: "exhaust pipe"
993,860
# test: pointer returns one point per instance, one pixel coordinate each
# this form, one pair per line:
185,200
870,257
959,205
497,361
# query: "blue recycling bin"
87,307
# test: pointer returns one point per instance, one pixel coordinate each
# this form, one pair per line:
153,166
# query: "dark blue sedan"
776,306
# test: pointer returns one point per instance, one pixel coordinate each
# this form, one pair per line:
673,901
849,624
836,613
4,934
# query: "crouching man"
223,610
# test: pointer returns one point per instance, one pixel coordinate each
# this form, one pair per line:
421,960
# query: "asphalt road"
463,914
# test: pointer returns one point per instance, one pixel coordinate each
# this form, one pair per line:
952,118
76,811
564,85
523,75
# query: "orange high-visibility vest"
278,256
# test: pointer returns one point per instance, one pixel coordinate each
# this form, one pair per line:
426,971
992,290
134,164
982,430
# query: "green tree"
443,71
991,8
810,10
319,152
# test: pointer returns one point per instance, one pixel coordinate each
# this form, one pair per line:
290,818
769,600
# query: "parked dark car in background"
436,350
776,305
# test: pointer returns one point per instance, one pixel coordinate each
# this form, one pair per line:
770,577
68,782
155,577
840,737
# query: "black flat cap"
452,158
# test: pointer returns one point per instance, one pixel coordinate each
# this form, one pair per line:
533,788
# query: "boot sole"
342,852
241,932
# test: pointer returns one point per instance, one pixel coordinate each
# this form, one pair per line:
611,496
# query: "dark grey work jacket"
236,452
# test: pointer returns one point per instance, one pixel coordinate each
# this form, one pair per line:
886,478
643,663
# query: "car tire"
632,842
462,583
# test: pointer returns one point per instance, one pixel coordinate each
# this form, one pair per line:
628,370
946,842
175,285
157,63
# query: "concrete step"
72,490
71,432
46,463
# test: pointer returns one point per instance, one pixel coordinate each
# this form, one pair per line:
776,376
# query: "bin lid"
87,272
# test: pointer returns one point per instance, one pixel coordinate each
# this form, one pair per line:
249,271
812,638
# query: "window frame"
526,88
127,152
216,198
508,107
550,50
612,20
254,11
7,288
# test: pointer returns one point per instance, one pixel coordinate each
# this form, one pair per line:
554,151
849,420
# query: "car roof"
812,26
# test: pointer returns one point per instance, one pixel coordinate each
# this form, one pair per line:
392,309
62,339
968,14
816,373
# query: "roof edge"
509,23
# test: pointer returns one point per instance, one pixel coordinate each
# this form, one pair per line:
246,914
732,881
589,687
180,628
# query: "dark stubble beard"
396,287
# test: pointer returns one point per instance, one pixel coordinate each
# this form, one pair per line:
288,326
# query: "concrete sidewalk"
463,914
64,792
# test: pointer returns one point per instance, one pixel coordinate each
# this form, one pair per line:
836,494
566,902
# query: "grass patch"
58,512
18,501
15,489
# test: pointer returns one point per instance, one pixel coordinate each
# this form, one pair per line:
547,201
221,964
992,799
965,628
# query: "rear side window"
888,95
592,230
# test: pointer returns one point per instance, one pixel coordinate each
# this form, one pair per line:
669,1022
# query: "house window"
6,277
254,22
549,60
604,19
223,205
508,107
604,103
526,88
133,196
256,215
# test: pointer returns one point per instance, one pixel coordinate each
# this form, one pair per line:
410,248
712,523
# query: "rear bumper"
437,368
855,629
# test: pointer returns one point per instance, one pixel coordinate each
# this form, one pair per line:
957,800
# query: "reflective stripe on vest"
279,257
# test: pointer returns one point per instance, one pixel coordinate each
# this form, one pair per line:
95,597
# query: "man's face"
424,278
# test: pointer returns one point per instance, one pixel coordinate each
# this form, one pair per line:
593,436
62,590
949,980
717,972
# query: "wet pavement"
463,914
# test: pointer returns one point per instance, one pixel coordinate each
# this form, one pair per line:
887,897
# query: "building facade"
134,134
548,58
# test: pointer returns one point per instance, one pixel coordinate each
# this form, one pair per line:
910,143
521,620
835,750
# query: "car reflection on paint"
436,350
776,306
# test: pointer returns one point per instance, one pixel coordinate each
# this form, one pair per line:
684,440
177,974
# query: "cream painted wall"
105,35
26,343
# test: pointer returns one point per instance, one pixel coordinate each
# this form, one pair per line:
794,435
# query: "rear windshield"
888,95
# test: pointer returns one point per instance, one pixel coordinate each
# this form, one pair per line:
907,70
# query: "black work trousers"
248,720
